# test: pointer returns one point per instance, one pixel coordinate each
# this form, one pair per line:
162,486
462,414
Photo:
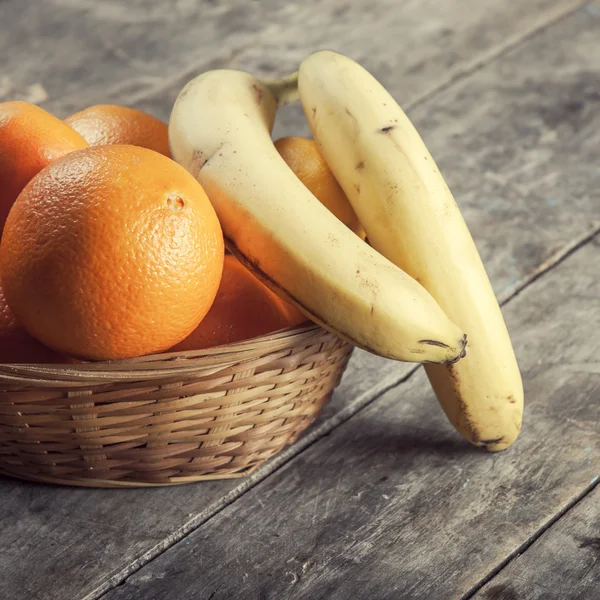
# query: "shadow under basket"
170,418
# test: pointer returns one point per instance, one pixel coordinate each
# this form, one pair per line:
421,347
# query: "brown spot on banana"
434,343
259,93
463,351
333,240
360,165
200,159
455,360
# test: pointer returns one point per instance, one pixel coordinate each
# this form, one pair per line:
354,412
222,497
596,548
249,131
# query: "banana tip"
461,354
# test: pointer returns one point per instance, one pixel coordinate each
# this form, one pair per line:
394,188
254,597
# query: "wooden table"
381,499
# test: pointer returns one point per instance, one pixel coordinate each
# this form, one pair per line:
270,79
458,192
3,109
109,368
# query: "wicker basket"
170,418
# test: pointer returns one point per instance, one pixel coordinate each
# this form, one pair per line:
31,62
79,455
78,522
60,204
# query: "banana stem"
285,91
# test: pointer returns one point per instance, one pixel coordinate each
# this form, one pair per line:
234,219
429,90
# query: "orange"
111,252
244,308
16,345
30,139
112,124
306,161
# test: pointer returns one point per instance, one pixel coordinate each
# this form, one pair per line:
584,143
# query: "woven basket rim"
158,366
167,419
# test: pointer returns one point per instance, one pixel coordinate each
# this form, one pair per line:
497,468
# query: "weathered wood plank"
563,563
70,53
392,504
106,532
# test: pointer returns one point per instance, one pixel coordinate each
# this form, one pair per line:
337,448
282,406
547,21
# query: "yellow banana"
410,216
220,131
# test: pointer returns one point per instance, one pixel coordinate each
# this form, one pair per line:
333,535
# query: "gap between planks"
531,539
499,51
329,425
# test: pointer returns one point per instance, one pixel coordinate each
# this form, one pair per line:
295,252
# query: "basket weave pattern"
170,418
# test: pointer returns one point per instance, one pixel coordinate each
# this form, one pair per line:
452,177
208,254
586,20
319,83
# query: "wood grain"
75,54
392,504
71,53
563,563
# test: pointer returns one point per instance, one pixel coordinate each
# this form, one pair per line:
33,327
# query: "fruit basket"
170,418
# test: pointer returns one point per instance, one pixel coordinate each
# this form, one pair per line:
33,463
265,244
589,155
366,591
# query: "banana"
219,131
411,218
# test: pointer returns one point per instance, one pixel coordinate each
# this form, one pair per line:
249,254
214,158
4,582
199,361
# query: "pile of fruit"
115,227
112,250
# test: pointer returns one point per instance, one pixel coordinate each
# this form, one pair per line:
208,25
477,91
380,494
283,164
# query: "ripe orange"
111,252
30,138
112,124
306,161
244,308
16,345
